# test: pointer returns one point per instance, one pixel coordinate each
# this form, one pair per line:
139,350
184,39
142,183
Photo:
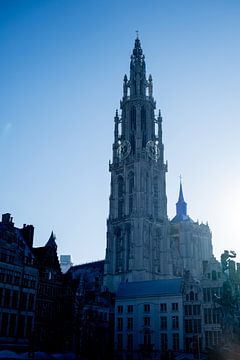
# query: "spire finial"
180,177
137,34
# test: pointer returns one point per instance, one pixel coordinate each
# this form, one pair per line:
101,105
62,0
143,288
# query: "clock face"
123,150
153,150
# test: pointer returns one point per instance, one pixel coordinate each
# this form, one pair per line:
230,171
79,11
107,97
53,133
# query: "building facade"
18,285
149,319
34,297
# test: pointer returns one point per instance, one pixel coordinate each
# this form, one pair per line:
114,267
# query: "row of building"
45,309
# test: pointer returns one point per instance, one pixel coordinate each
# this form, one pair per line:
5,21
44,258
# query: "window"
188,326
130,192
15,299
175,322
30,301
129,342
212,338
197,326
7,298
4,326
119,323
130,323
1,296
188,310
146,307
174,306
29,325
119,341
146,321
176,342
21,326
163,307
119,247
23,300
143,126
133,118
120,309
207,294
130,308
120,196
196,309
12,325
163,322
164,342
147,339
191,296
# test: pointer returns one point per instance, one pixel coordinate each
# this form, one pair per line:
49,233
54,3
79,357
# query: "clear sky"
61,68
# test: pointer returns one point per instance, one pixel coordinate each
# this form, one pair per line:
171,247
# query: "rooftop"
160,287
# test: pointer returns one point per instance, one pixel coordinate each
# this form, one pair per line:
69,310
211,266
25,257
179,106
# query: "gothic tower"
137,227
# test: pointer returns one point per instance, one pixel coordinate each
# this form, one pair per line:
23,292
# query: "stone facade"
137,228
191,242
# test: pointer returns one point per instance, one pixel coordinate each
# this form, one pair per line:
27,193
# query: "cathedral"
142,242
159,294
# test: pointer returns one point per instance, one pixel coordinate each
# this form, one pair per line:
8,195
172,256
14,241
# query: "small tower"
181,205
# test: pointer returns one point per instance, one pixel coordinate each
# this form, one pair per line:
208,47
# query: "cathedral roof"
162,287
180,218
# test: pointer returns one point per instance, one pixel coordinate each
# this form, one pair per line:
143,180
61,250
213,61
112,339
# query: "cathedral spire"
138,81
181,205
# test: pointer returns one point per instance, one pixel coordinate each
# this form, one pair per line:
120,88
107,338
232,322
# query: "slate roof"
162,287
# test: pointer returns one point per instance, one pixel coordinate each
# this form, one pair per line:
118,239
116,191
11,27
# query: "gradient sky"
61,68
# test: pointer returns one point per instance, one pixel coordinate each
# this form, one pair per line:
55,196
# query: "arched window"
128,244
120,196
155,194
120,186
143,118
133,118
143,126
119,246
130,192
191,295
132,141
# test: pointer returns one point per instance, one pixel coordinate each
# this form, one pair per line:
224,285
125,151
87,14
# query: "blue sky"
61,69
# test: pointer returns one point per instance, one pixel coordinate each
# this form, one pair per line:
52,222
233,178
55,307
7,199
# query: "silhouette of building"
34,298
49,332
93,312
18,285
